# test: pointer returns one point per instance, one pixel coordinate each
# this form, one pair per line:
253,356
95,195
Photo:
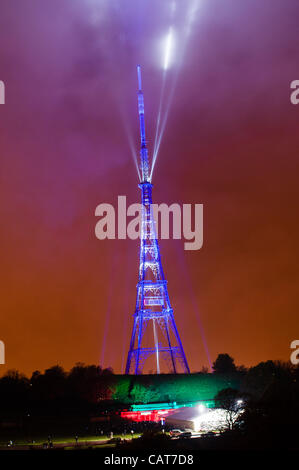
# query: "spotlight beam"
168,55
168,48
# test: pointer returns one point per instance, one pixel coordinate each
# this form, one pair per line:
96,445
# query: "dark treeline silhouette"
54,392
269,390
225,364
271,416
270,395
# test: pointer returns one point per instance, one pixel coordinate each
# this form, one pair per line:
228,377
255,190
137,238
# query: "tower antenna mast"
155,336
143,148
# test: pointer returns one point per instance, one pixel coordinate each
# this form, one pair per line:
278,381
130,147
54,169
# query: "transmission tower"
155,338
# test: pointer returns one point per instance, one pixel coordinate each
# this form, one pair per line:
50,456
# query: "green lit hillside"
180,388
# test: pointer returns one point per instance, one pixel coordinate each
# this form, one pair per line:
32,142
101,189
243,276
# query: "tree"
224,364
14,394
232,401
242,370
91,383
204,370
260,377
270,420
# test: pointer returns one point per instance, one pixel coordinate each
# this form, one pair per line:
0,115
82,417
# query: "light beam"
190,18
168,48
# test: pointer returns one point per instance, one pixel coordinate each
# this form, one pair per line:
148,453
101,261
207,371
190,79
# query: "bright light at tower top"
139,77
169,42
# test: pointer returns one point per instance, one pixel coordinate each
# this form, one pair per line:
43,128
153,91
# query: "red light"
152,415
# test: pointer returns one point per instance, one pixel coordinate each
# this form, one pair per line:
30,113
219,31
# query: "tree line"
270,389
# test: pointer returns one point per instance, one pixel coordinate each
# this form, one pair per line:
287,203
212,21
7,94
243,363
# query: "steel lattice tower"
154,330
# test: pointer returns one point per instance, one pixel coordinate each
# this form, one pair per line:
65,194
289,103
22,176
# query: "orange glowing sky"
231,142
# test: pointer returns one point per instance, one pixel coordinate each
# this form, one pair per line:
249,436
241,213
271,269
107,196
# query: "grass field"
67,441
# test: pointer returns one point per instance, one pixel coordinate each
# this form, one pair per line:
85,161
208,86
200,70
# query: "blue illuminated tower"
155,339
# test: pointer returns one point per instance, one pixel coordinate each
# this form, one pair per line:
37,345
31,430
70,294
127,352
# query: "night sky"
231,143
